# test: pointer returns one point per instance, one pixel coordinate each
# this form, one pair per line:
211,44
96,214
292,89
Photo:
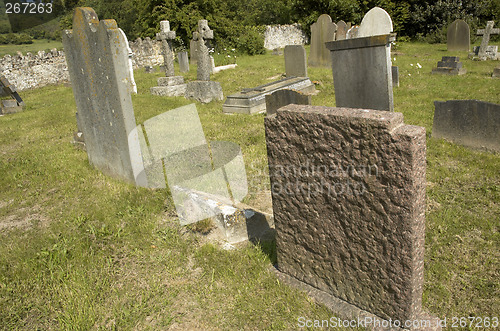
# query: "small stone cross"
200,36
486,33
166,36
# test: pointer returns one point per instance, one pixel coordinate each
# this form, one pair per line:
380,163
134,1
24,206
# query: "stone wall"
278,36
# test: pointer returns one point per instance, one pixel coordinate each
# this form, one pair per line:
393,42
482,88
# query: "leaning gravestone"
13,105
484,51
470,123
348,191
458,36
203,89
375,22
170,85
321,31
97,58
341,30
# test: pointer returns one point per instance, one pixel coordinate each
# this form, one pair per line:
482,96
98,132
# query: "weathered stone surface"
449,65
496,72
165,36
486,33
183,61
97,60
278,36
470,123
295,61
362,74
321,31
16,103
201,37
458,36
170,81
193,51
348,190
352,32
341,30
169,91
204,91
10,107
375,22
281,98
491,53
250,101
395,76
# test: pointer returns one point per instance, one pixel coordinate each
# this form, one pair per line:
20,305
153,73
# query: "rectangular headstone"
183,61
458,36
470,123
281,98
348,191
97,59
321,31
395,76
362,74
295,61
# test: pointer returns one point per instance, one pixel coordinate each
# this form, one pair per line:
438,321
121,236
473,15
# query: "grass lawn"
38,45
79,250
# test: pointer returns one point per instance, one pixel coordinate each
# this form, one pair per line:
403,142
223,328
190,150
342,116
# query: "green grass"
38,45
79,250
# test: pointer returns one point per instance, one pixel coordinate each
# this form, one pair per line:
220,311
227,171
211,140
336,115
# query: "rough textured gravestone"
341,30
348,191
395,76
15,104
321,31
170,85
375,22
482,51
362,74
203,89
470,123
97,59
295,61
449,65
183,61
458,36
281,98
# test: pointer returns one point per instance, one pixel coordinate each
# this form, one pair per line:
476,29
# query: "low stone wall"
278,36
146,52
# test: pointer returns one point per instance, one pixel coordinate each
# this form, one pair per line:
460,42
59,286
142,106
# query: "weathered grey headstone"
321,31
395,76
130,67
362,74
352,32
348,191
375,22
483,48
295,61
281,98
449,65
341,30
183,61
193,51
470,123
203,89
15,104
97,59
170,85
458,36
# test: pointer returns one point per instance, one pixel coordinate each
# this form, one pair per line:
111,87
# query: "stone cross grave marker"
321,31
458,36
201,36
375,22
341,30
295,61
348,190
165,36
97,59
486,33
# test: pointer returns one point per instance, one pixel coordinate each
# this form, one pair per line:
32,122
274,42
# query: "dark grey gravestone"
362,74
15,104
395,76
295,61
321,31
470,123
203,89
496,72
97,59
458,36
183,61
347,223
482,51
281,98
341,30
449,65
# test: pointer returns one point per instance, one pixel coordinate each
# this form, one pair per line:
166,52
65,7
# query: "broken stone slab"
236,222
204,91
169,91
